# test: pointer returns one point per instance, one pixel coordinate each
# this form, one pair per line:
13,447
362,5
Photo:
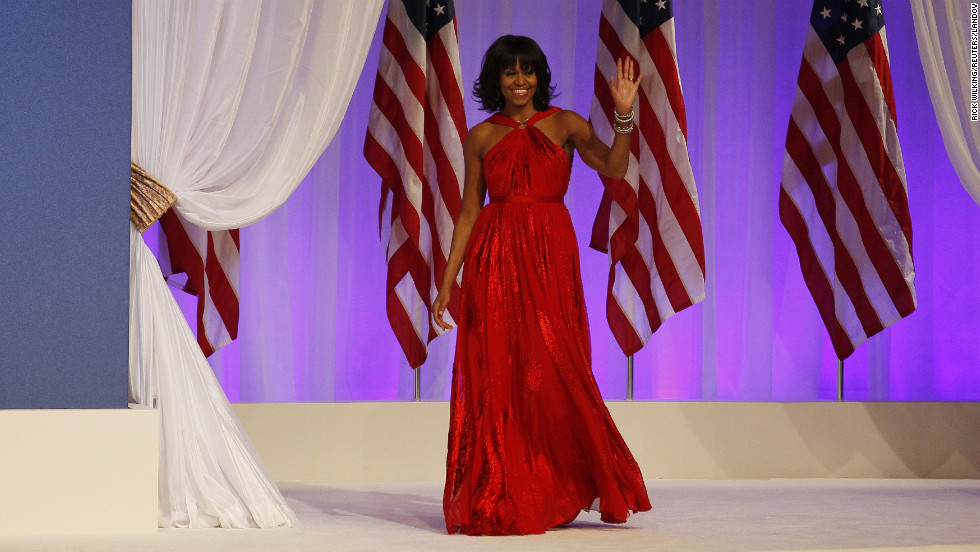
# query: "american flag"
210,262
843,197
649,222
415,143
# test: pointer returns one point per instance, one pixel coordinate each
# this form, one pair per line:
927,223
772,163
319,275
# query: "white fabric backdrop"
313,322
942,28
233,102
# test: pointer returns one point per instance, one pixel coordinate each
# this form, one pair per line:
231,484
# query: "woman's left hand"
623,86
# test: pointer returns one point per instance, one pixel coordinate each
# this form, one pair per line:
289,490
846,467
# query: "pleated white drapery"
313,319
233,103
942,28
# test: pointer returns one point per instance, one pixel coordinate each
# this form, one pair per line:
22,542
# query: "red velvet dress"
531,442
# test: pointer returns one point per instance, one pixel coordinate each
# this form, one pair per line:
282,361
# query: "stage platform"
78,471
721,476
399,441
688,516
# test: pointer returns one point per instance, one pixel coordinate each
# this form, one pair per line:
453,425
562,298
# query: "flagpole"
629,378
840,379
418,384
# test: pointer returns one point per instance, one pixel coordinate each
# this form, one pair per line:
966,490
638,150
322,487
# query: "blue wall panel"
65,95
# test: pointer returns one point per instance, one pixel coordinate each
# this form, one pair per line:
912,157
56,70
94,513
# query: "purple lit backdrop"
313,322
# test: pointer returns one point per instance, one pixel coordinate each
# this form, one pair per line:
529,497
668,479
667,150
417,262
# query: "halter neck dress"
531,442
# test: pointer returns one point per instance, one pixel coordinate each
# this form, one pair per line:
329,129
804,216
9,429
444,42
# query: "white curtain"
942,28
313,324
233,102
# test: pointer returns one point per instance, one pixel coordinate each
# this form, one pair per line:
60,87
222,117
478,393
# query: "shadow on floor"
411,510
408,509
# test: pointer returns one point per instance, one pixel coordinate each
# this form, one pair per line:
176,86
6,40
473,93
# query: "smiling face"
518,85
514,77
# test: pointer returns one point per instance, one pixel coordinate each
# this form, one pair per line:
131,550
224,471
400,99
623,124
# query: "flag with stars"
415,143
843,197
648,222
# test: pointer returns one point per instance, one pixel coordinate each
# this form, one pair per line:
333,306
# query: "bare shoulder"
570,117
574,124
479,138
480,131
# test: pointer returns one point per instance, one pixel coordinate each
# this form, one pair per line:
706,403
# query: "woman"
531,443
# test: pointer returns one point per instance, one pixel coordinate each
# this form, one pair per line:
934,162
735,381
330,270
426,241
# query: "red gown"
531,442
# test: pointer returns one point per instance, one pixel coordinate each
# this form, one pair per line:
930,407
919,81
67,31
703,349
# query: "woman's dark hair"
503,54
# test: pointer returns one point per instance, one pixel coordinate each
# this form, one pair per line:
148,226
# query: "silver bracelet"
623,118
624,130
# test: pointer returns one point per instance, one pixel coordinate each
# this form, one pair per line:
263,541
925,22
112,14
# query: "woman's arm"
611,161
474,193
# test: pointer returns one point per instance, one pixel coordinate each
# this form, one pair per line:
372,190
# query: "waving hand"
623,86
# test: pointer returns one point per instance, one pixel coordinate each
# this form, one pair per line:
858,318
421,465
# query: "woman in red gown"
531,443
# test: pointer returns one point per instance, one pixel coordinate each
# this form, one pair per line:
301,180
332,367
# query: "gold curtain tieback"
148,199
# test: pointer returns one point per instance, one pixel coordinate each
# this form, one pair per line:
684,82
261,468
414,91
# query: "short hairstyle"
503,54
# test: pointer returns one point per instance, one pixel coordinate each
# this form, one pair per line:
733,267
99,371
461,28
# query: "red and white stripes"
649,222
211,263
843,197
414,142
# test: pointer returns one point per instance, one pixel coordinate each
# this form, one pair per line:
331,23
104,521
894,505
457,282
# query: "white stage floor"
689,515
